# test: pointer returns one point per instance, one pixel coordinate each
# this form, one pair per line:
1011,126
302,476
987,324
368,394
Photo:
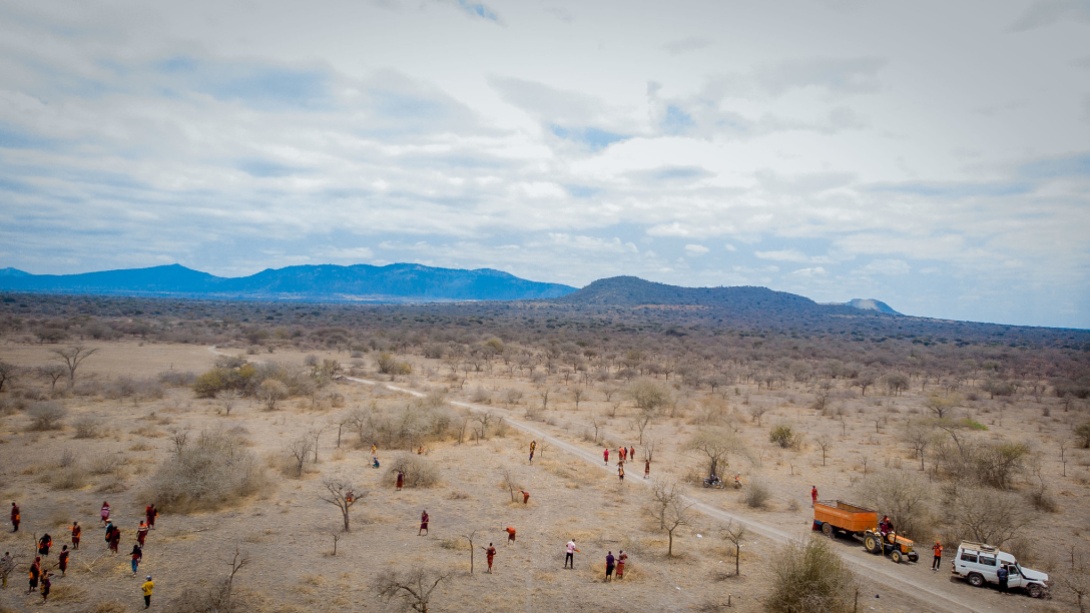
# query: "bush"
810,577
1083,434
419,471
87,426
757,495
46,415
905,497
208,473
784,436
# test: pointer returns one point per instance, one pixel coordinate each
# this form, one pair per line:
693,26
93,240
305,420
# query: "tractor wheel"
827,529
896,556
1034,590
871,544
976,580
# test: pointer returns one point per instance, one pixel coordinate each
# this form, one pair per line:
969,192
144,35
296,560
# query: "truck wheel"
870,543
896,556
976,580
1034,590
912,557
827,529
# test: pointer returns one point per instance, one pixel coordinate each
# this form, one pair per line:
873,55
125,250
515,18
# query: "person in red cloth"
15,517
142,533
813,494
400,480
62,563
76,533
105,512
150,512
605,455
510,530
424,519
489,553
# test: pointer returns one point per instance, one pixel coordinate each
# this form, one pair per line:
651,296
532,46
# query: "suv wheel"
976,580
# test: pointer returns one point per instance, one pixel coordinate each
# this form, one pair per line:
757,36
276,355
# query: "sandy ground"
288,533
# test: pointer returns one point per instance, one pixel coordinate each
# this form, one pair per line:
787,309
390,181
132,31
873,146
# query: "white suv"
978,563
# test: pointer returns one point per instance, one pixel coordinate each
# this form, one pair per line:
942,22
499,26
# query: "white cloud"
696,249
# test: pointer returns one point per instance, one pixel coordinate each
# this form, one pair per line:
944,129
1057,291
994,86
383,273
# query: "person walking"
115,538
489,554
44,544
813,495
142,533
76,531
147,587
569,554
620,471
15,517
400,480
150,513
136,555
104,513
936,549
622,452
646,468
631,453
605,455
46,585
609,566
62,562
510,530
533,447
424,519
35,573
622,557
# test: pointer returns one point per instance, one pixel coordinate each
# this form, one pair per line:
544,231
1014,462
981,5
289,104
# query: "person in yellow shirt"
147,587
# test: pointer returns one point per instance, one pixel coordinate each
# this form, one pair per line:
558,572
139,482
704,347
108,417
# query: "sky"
934,155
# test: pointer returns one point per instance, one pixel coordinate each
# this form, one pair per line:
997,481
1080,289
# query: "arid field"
248,441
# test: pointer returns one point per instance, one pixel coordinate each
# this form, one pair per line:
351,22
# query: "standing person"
489,552
46,585
424,519
6,566
35,573
510,530
646,468
525,496
115,538
605,455
400,480
150,513
142,533
631,453
622,452
136,555
533,446
104,513
936,549
609,566
147,587
62,563
569,554
374,448
622,557
813,495
1003,575
76,533
15,517
44,544
620,471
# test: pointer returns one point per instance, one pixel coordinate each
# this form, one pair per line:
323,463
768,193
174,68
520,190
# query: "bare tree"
920,436
987,516
576,394
670,508
271,391
342,495
597,423
53,373
641,421
824,442
73,357
1076,578
300,450
227,399
756,412
941,404
469,536
237,562
512,484
736,533
414,588
483,420
649,450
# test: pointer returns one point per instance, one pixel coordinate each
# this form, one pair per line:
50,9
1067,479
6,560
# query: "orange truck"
832,516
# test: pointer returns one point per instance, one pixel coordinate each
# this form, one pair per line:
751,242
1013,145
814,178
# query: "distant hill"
392,284
870,304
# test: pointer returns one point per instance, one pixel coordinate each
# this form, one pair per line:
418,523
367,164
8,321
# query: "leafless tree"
670,508
919,435
53,373
228,398
300,449
716,444
735,533
342,495
469,536
576,394
641,422
271,391
512,484
73,357
824,442
756,412
483,420
414,588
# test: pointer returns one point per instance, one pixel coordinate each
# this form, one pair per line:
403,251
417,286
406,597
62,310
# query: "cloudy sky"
934,155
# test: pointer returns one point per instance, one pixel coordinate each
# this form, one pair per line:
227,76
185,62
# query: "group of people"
40,578
624,454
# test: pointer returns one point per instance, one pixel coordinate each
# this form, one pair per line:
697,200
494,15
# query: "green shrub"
809,576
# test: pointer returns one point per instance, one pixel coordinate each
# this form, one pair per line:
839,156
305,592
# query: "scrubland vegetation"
237,417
